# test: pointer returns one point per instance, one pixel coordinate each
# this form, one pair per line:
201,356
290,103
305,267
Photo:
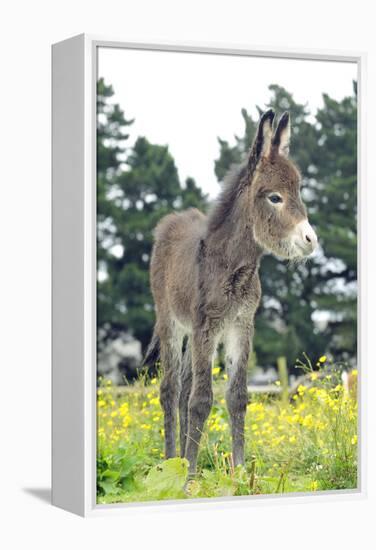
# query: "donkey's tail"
152,354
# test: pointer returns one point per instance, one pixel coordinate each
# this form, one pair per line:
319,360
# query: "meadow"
306,441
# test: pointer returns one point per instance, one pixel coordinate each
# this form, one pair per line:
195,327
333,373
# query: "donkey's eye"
274,198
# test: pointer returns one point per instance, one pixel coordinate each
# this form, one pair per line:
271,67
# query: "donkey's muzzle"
305,238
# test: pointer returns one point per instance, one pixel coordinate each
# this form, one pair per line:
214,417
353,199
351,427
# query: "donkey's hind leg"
186,385
171,351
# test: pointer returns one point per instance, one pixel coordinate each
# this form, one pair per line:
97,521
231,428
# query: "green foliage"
307,443
167,479
111,138
325,151
116,472
335,212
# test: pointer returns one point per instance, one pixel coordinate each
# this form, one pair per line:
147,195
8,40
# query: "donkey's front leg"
201,398
237,348
185,392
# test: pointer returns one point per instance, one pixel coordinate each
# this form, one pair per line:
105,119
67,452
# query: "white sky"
186,100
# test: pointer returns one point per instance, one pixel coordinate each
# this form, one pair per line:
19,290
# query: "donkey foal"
206,288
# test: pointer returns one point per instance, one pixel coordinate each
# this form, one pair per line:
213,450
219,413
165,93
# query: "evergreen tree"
335,213
136,188
111,147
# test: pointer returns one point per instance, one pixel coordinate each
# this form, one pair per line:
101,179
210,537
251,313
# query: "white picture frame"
74,75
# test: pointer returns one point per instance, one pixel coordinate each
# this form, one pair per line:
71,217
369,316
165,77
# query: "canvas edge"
362,311
68,382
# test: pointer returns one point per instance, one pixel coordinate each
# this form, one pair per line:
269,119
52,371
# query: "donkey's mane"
233,184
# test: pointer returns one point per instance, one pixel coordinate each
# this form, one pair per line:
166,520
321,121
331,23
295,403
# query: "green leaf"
166,480
110,475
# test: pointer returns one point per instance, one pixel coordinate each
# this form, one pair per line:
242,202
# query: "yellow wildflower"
256,407
314,485
308,421
154,401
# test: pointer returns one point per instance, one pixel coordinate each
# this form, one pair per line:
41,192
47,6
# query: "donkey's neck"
230,222
232,238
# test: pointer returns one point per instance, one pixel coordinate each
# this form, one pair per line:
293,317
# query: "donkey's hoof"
191,484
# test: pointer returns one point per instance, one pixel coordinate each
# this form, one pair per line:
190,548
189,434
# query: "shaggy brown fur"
205,283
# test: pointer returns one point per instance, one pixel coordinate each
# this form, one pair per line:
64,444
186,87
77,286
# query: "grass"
306,444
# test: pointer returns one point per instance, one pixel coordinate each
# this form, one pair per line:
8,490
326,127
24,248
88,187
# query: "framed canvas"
208,275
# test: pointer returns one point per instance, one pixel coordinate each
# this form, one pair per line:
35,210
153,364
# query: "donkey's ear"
264,134
281,139
262,143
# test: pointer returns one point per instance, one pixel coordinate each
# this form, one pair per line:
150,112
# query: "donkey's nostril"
305,237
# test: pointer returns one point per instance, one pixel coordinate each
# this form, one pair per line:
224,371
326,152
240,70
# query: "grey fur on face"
205,284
